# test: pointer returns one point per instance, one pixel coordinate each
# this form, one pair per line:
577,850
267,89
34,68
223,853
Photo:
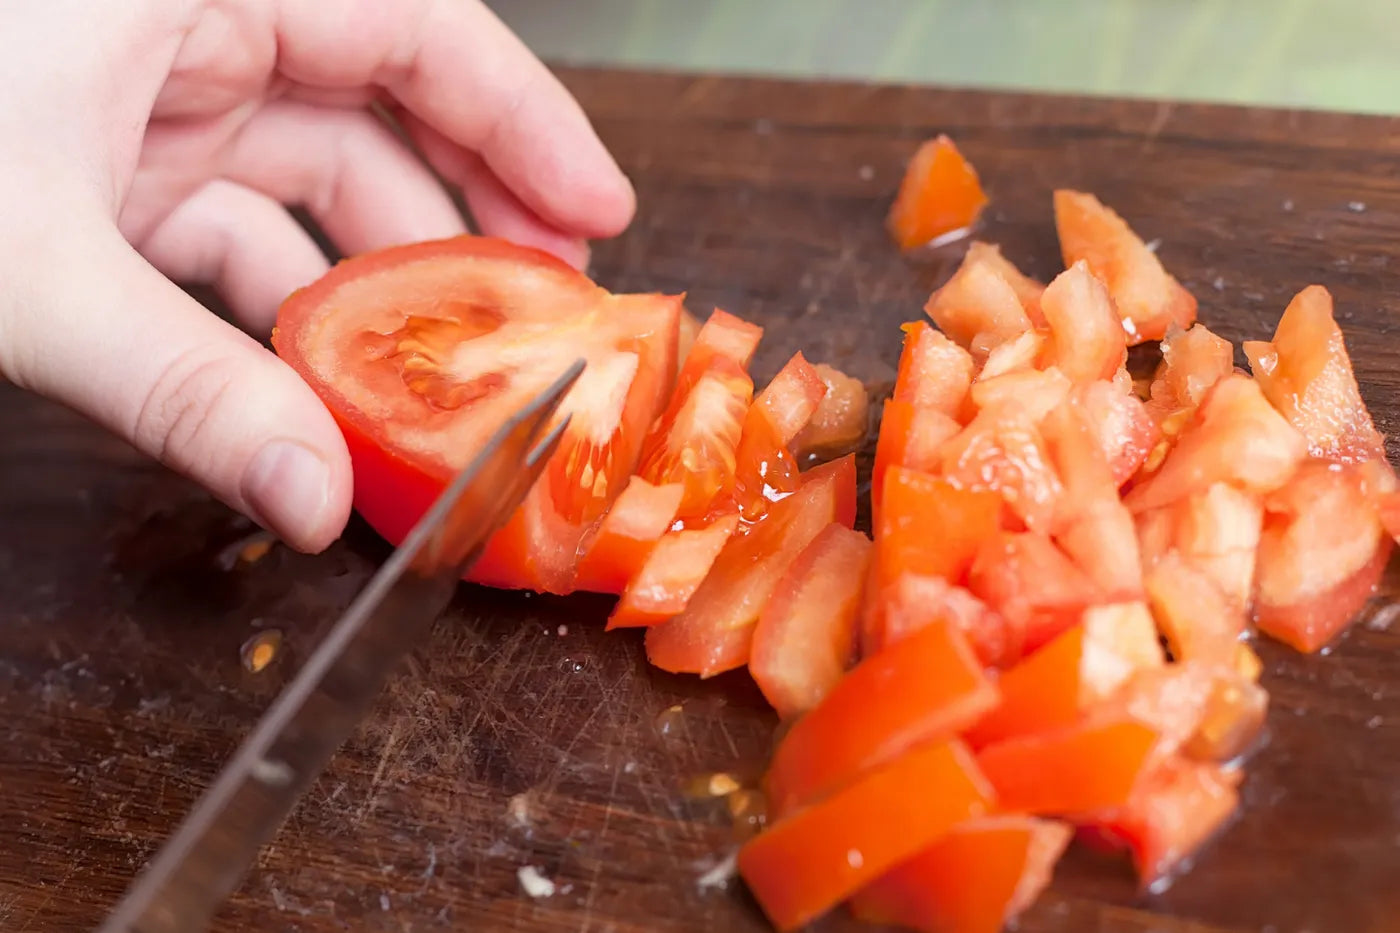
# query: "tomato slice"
1148,299
910,436
915,601
934,372
841,422
922,689
618,548
674,570
1306,373
715,631
976,879
806,634
1032,584
1322,553
1002,451
422,351
1086,337
1081,769
940,194
1082,666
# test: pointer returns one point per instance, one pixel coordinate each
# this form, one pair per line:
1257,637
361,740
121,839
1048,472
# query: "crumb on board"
519,809
866,173
1356,207
563,630
533,882
1154,245
260,650
720,874
384,902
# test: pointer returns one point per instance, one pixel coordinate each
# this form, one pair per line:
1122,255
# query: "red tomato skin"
933,372
673,571
625,537
809,862
1077,770
911,437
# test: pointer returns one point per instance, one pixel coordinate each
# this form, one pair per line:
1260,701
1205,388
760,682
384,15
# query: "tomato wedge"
673,571
1086,337
910,436
806,635
618,549
1081,769
764,467
421,352
715,631
940,193
976,879
923,689
811,861
934,372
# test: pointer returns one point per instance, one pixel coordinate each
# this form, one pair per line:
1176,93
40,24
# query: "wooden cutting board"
122,612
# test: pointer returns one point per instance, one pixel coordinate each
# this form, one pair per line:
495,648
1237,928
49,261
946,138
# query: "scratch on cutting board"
372,797
597,863
1165,109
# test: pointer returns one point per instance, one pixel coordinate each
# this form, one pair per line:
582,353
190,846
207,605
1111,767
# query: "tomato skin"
806,634
910,436
810,861
1082,769
923,689
976,879
672,572
939,193
714,632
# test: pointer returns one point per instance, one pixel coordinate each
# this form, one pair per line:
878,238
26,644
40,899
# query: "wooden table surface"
121,614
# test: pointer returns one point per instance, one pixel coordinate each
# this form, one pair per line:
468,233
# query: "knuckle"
179,418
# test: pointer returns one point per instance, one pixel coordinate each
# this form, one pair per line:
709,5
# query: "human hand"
159,139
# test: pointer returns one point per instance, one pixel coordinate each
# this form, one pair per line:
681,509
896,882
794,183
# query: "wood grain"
121,691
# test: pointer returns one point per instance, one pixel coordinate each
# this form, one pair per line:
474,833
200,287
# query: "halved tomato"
1086,336
422,351
615,551
939,194
673,571
1306,373
715,631
976,879
1148,299
806,634
934,372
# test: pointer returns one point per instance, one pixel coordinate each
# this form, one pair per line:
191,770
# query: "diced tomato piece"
1390,514
714,631
689,329
934,372
929,526
940,194
842,419
922,689
1321,554
1027,289
1036,392
723,336
1176,700
1034,586
914,602
1176,811
1125,431
1081,769
809,862
1084,665
1306,373
626,536
806,634
1232,720
1218,532
1148,299
910,436
764,468
1002,451
1086,337
1200,623
1193,361
1236,437
976,879
978,309
792,398
671,574
1015,355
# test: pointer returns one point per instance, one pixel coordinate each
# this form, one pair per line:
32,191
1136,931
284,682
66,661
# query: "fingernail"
287,486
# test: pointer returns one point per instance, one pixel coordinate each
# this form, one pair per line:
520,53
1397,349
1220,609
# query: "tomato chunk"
1232,720
1081,769
1086,337
1015,355
625,538
1148,299
934,372
1028,290
1199,622
915,601
976,879
764,467
978,308
1036,392
811,861
842,420
1002,451
923,689
714,632
806,634
671,574
1121,424
1306,373
1193,361
910,436
940,194
1034,586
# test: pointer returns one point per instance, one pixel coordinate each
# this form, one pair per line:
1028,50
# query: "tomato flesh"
673,571
1193,361
1198,620
1028,580
915,601
841,421
1002,451
1086,338
933,372
1081,769
618,549
940,193
910,436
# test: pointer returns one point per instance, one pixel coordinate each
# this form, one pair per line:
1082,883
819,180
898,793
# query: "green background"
1297,53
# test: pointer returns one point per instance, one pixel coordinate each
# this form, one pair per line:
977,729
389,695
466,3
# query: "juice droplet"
718,784
260,650
671,720
748,808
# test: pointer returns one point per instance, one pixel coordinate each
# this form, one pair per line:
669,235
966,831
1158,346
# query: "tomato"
1198,620
1235,437
976,879
1306,373
811,861
806,634
713,633
1175,812
1232,720
1086,337
764,467
1321,554
978,308
1193,361
915,601
673,571
1036,392
1032,584
616,550
1081,769
1148,299
940,194
910,436
923,689
1015,355
934,372
1218,532
842,419
1002,451
1390,514
1028,290
1082,666
1122,425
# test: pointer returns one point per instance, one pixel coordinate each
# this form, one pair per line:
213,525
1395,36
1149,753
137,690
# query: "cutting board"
123,606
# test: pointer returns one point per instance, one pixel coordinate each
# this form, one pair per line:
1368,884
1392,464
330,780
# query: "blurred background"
1331,54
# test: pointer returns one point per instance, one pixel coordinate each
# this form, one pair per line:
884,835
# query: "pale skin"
155,140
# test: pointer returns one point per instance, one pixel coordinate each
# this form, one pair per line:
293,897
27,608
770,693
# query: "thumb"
120,343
